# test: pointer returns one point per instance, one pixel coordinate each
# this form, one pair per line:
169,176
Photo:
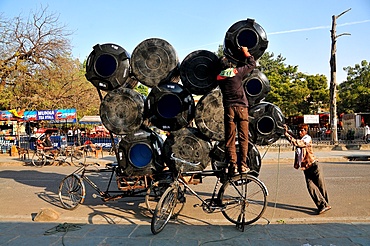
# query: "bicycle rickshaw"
42,155
170,106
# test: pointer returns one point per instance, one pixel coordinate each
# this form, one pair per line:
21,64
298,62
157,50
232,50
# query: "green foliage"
142,89
220,51
293,92
354,93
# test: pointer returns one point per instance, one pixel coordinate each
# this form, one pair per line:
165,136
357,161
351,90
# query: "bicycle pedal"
196,205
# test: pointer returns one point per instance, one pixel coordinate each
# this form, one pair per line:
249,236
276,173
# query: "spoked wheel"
244,199
38,159
71,191
164,209
155,192
78,157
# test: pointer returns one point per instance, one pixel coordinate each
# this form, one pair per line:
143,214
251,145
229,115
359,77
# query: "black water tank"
139,153
247,33
122,110
169,106
265,123
154,60
198,72
209,115
187,144
253,157
108,66
256,87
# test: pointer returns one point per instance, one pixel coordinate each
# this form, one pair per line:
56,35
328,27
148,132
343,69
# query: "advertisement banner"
56,116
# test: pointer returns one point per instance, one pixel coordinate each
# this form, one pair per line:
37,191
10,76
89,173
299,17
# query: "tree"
27,46
293,92
36,68
220,51
354,93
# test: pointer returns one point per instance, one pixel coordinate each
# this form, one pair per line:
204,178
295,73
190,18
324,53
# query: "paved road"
290,218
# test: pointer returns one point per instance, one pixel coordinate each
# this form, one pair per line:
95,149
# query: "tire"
247,193
38,159
155,192
71,191
78,157
164,209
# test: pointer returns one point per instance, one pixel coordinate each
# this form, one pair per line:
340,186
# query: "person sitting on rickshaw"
89,145
45,144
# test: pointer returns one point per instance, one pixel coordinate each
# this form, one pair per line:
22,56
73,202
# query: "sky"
296,29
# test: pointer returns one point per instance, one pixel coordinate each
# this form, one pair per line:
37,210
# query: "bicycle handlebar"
184,161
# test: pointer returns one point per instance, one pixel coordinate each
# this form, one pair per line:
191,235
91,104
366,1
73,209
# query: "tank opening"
105,65
201,72
265,125
253,87
169,106
140,155
247,38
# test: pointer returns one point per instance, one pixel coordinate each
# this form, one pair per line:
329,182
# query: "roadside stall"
97,133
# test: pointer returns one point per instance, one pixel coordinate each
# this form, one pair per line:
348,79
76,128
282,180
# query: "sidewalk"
329,234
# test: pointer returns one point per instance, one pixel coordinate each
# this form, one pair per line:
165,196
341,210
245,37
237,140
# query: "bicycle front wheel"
78,157
38,159
243,198
164,209
71,191
155,192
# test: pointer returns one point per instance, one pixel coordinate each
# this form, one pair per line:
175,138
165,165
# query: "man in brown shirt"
306,161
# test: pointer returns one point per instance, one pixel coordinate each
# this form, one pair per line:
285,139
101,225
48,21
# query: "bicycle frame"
220,174
128,191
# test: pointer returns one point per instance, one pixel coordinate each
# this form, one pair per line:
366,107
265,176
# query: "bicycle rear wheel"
38,159
71,191
244,199
164,209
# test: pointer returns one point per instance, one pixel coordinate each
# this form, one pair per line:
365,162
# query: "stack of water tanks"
195,131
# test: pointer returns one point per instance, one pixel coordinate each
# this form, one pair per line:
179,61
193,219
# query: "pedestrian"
306,161
235,105
367,132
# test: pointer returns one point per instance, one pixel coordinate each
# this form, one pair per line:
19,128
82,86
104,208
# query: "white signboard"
311,119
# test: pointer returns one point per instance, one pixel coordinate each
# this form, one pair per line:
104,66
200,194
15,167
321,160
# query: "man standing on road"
235,105
305,159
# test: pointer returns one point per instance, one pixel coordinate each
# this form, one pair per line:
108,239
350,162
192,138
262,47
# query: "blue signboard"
56,116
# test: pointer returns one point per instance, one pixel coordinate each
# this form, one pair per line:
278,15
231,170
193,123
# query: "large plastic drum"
265,123
139,153
169,106
198,72
256,87
253,157
122,111
187,144
247,33
153,61
209,115
108,66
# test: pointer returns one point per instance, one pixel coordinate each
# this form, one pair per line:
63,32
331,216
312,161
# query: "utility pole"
333,79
